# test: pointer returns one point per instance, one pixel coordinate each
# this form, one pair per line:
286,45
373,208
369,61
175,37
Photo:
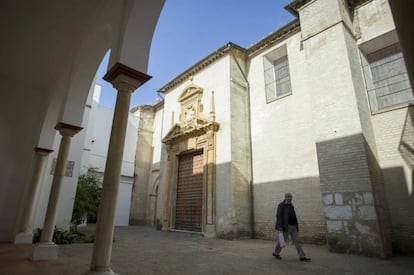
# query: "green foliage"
87,198
61,236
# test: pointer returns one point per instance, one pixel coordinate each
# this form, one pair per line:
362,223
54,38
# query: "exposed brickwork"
391,130
344,164
308,204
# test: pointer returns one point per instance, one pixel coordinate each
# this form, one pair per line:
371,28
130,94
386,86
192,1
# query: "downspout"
252,220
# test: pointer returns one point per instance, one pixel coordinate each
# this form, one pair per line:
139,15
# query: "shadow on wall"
343,203
401,207
400,192
406,147
364,204
306,199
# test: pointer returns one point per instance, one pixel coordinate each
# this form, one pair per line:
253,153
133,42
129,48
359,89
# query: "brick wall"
392,129
307,202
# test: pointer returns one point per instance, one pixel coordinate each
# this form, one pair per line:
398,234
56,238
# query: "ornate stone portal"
193,135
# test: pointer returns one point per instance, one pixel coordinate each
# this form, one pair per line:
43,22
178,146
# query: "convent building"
322,108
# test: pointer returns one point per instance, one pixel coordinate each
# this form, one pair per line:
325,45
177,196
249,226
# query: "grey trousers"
293,232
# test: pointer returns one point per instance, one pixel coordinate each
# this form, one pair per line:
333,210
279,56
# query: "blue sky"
188,31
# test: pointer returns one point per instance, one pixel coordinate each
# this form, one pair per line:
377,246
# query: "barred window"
277,77
390,86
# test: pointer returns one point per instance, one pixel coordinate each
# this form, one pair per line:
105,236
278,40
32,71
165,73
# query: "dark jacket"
282,216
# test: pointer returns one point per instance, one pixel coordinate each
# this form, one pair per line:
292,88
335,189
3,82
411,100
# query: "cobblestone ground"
143,250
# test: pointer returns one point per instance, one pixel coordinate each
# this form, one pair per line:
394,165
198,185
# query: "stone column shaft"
25,235
125,80
46,249
58,177
107,207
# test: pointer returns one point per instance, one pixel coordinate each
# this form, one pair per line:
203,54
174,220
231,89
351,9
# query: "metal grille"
277,78
391,86
189,192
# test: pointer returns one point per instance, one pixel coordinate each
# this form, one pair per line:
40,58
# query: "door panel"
188,214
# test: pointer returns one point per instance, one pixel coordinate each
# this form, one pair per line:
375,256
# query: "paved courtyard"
143,250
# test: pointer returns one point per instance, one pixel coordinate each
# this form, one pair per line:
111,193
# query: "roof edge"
283,33
200,65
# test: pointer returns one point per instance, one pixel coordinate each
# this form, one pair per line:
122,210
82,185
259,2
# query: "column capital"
43,151
66,129
125,78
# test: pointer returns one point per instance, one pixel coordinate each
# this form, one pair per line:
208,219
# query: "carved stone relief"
193,132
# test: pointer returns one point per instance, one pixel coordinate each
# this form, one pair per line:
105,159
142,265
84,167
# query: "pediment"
192,122
192,91
178,133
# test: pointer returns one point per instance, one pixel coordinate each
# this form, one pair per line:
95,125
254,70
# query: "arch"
49,62
133,48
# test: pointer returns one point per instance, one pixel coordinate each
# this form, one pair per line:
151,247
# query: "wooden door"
188,215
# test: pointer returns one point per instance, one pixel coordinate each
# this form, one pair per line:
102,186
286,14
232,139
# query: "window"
387,82
277,75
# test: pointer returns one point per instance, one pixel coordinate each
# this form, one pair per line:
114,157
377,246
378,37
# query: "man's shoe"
277,256
304,259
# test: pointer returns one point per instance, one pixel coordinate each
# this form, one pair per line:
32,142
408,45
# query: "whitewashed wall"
89,150
68,192
284,152
97,156
215,77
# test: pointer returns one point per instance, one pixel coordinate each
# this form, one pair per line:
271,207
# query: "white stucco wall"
282,130
123,203
283,145
68,191
157,137
89,149
89,124
99,142
158,168
215,77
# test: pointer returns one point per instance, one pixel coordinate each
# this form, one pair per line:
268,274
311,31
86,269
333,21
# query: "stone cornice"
178,133
294,6
283,33
355,3
121,69
277,36
200,65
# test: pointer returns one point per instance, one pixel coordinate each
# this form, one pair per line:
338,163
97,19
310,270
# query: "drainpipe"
252,221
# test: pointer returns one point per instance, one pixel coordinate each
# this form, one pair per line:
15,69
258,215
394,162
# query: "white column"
125,80
25,234
46,249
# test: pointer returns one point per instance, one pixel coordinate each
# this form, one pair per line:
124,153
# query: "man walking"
287,223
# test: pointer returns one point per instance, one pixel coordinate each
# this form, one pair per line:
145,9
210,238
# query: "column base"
104,272
210,231
45,251
24,238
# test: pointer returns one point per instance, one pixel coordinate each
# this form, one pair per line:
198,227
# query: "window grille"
390,87
277,78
